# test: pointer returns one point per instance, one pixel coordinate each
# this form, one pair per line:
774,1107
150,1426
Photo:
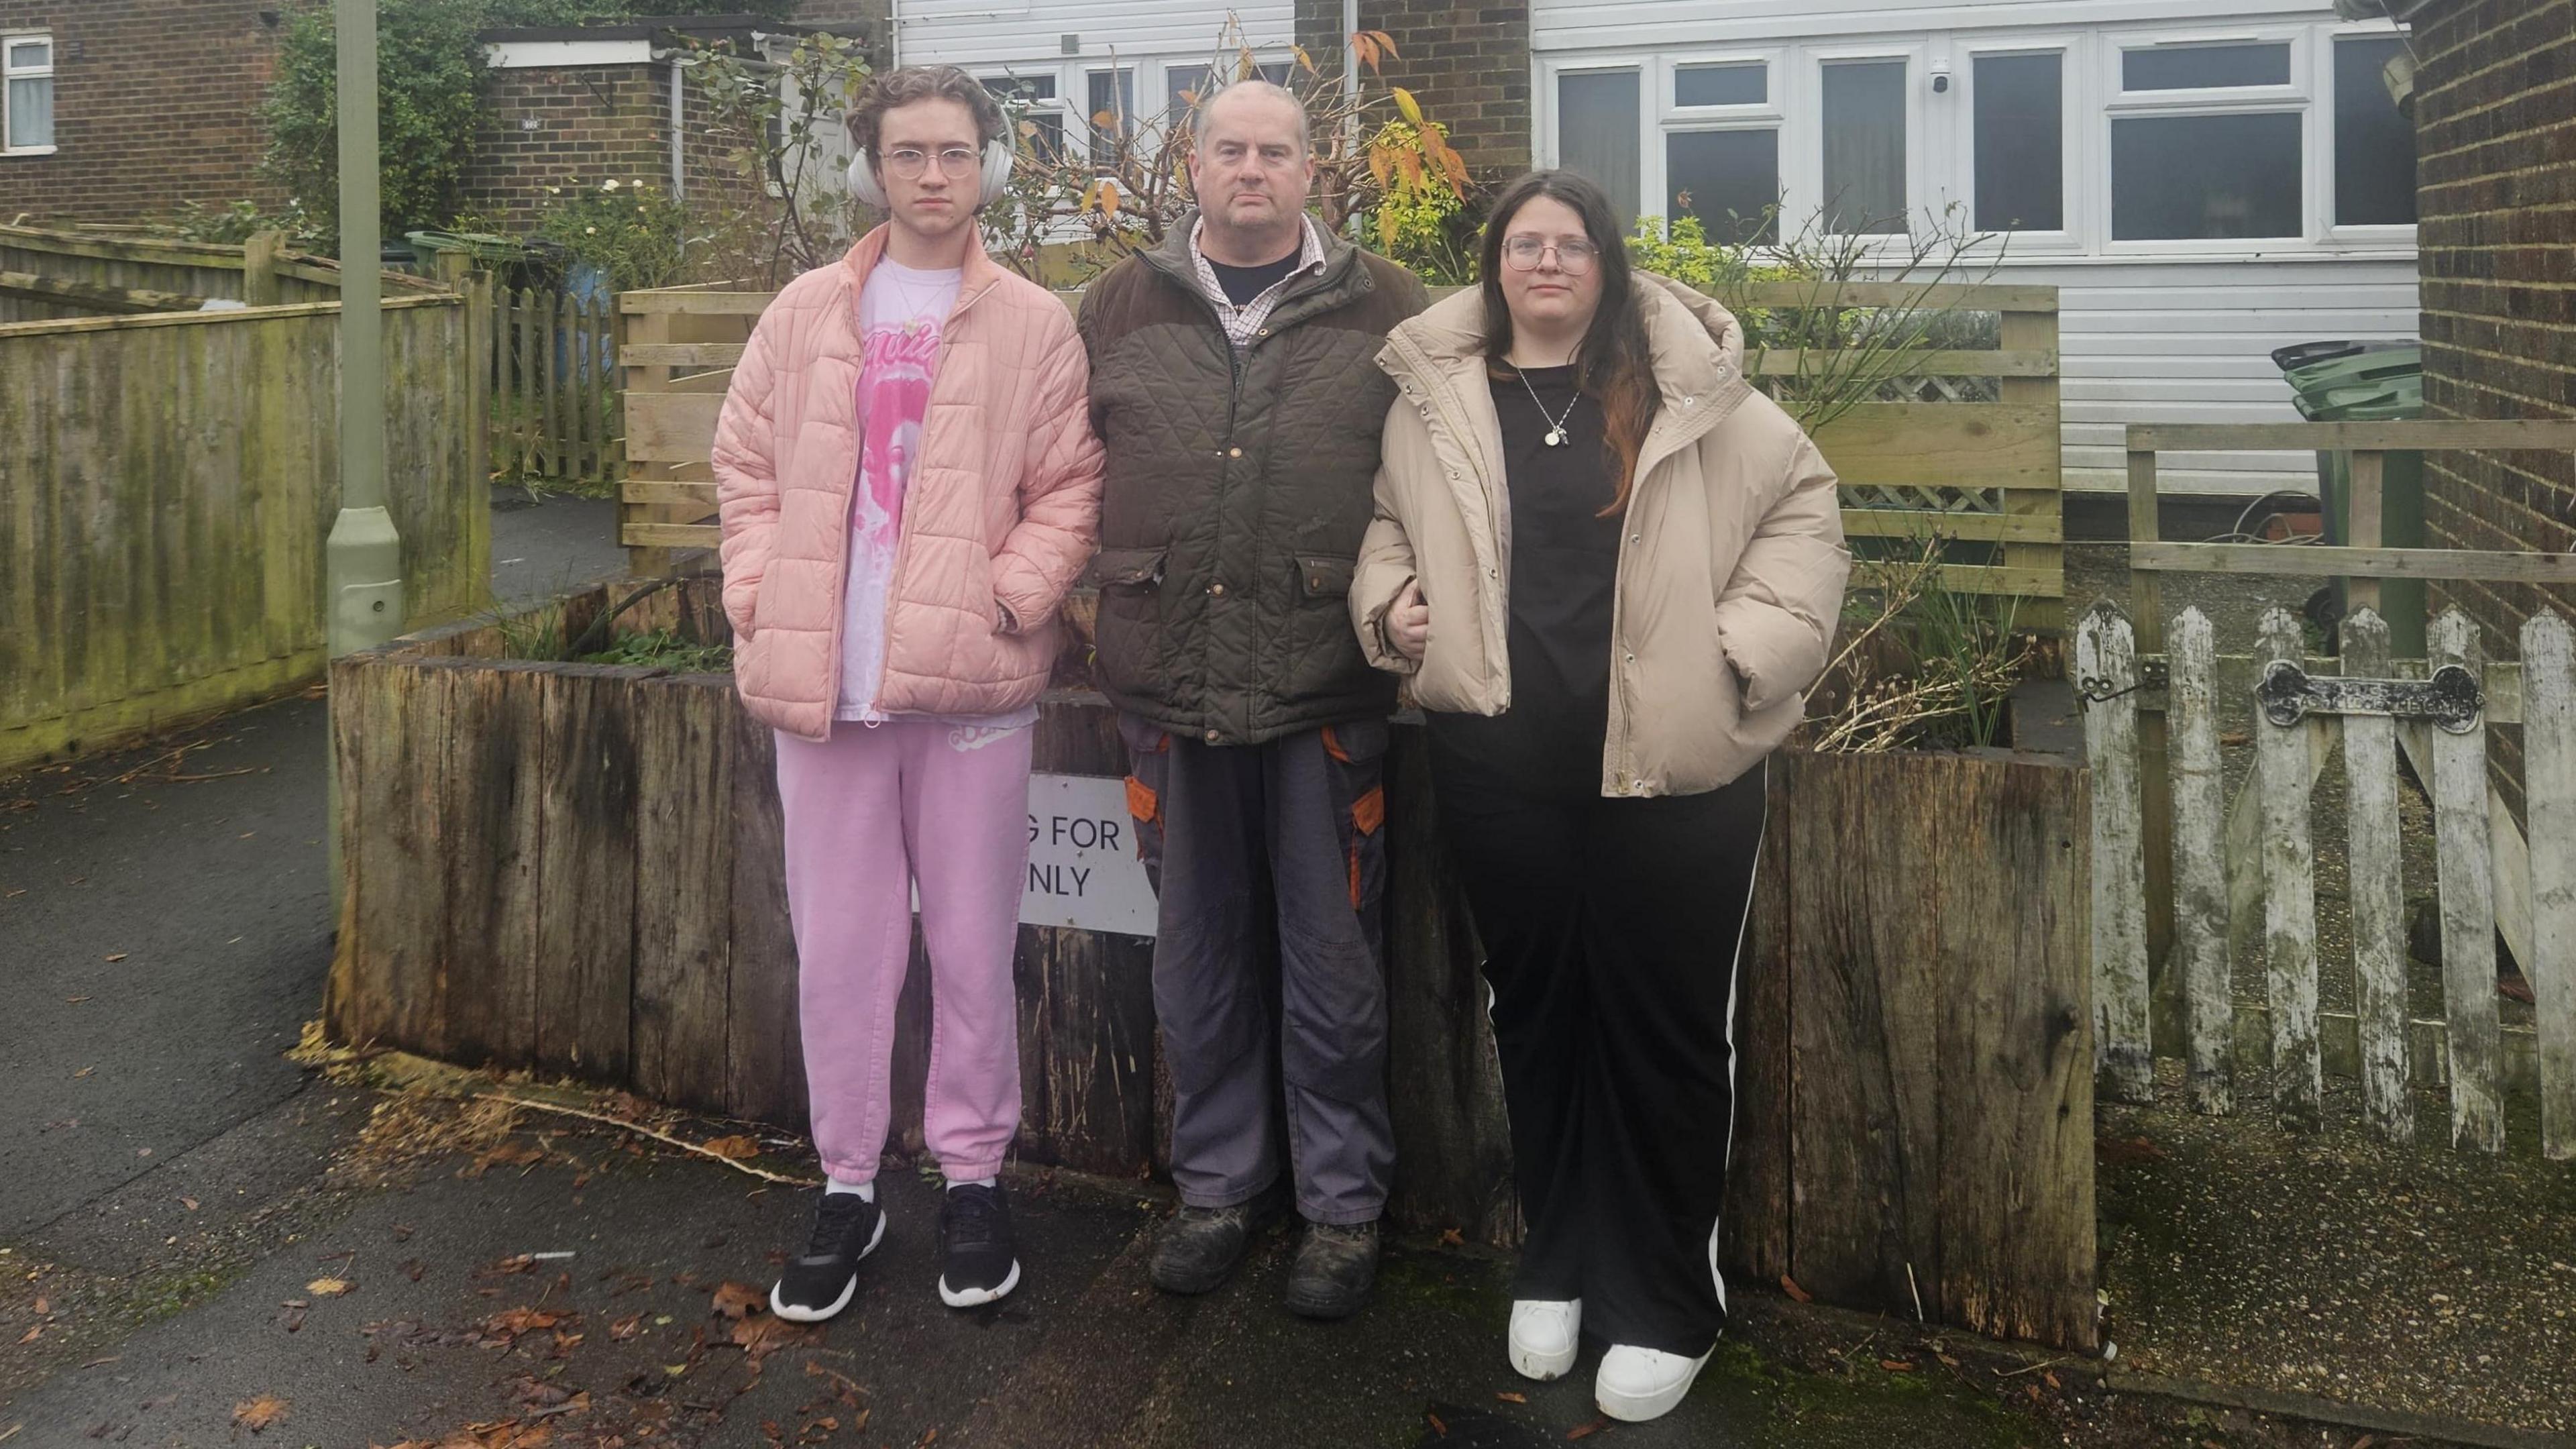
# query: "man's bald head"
1243,101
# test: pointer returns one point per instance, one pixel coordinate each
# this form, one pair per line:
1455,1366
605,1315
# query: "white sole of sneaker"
1638,1408
978,1297
1541,1364
796,1314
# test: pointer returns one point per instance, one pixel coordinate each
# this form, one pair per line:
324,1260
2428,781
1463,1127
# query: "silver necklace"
1555,437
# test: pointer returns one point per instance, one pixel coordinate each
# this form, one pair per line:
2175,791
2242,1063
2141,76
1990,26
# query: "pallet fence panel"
2200,877
2468,903
2549,765
2378,889
2289,896
2106,668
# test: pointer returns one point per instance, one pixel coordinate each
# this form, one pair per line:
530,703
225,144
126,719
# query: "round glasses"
1574,258
910,162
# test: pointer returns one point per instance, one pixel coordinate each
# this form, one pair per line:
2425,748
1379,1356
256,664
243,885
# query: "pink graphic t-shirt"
902,313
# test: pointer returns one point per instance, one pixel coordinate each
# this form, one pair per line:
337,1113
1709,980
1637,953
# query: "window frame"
2074,105
51,70
2297,97
1662,119
1940,160
1803,186
2357,234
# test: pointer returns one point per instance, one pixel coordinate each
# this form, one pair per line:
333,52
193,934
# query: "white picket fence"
2244,890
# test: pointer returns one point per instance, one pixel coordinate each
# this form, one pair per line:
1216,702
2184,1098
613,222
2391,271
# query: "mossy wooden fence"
1959,444
577,869
166,485
261,272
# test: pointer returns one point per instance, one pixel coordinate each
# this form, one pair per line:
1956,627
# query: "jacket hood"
1697,345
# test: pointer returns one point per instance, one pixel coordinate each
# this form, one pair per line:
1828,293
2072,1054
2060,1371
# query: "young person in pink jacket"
909,483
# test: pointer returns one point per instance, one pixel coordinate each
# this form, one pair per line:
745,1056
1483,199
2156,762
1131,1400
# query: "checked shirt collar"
1244,323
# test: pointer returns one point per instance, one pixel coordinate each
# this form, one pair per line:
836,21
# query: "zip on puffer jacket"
1001,516
1731,561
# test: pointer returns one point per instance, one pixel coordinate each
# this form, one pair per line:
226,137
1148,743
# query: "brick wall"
155,102
1469,65
579,126
2495,117
567,127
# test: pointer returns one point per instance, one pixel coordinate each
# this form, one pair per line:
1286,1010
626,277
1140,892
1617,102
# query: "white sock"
976,1182
867,1191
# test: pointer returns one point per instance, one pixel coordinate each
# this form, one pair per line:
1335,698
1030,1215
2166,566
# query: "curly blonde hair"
894,88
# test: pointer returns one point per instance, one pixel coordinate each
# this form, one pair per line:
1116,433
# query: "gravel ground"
2415,1278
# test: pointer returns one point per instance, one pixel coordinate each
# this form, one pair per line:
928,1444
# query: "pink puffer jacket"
1004,506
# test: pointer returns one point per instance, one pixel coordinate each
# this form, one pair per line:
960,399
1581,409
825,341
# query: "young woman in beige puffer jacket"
1610,570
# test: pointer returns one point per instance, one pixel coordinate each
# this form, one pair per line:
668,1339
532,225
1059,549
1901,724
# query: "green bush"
430,79
634,233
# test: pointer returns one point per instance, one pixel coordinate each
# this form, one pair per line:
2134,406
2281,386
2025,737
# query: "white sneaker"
1637,1384
1544,1336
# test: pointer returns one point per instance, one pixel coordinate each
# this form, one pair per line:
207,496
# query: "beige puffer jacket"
1734,550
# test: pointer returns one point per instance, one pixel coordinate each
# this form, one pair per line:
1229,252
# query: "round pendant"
1555,437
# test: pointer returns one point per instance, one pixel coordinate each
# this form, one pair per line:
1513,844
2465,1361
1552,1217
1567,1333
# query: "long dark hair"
1613,364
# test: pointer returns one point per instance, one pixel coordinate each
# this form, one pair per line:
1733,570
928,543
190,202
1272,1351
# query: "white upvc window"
27,109
1862,162
2206,141
2017,139
1718,140
2215,137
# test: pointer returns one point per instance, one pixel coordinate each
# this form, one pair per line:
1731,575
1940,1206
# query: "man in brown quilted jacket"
1234,390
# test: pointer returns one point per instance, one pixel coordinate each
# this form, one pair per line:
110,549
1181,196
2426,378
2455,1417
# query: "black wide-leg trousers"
1611,929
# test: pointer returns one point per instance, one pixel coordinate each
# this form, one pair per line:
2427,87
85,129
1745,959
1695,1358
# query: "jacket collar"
979,275
1697,345
1342,279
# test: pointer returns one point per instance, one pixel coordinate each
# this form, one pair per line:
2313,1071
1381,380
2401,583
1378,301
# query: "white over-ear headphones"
994,181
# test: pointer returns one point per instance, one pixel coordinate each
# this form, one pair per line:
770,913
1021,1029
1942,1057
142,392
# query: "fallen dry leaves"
257,1414
764,1334
736,1300
327,1287
737,1148
1790,1286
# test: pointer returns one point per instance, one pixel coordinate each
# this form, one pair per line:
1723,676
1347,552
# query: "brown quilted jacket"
1236,493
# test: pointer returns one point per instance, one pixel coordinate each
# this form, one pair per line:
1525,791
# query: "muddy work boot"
1335,1266
1200,1246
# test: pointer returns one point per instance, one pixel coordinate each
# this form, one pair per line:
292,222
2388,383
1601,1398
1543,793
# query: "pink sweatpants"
868,813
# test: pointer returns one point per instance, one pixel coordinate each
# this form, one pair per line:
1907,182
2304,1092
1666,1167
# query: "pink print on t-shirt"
901,314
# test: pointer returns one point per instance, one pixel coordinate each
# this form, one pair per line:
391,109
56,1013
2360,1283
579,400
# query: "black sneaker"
818,1283
1335,1267
1200,1246
977,1262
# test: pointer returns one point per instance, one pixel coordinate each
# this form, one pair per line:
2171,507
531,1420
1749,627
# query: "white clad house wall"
2191,342
2151,330
1026,36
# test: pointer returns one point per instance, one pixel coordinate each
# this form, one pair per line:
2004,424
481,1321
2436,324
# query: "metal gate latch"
2450,699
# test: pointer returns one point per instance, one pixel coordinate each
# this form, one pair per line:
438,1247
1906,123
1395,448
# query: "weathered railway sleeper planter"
575,869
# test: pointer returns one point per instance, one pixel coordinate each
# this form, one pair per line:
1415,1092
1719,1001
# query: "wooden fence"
166,486
2184,879
261,272
1983,474
577,869
554,392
